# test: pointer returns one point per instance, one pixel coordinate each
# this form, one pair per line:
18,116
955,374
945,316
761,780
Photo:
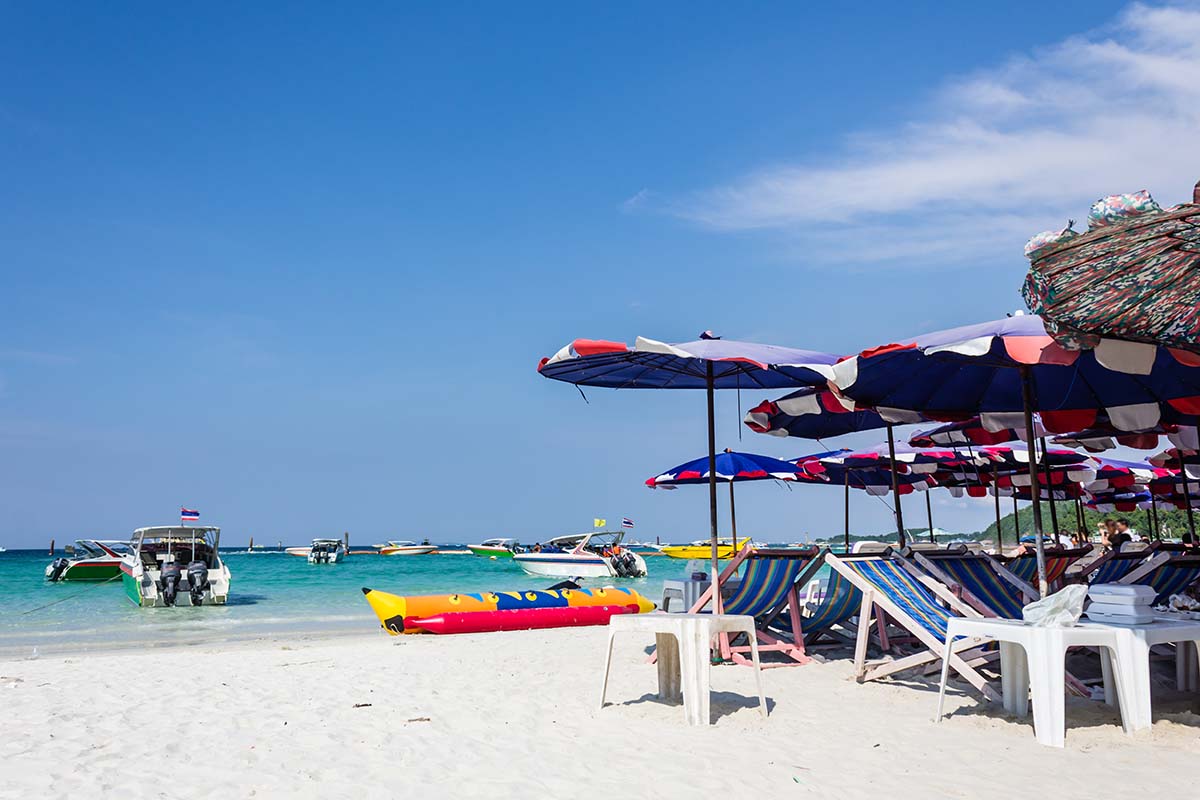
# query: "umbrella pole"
847,511
732,516
1034,489
712,485
1050,491
1154,509
895,488
1149,525
999,535
1016,519
1187,500
1079,516
929,514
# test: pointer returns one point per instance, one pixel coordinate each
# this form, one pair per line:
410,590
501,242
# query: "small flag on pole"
599,523
626,523
188,514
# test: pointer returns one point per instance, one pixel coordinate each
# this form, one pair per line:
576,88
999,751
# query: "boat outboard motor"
197,573
626,565
170,577
57,566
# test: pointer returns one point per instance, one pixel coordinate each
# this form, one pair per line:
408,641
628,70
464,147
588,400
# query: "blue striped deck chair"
1167,573
982,582
1113,566
766,588
1058,561
838,602
916,602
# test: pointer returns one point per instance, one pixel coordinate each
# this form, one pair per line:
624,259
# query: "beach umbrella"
869,474
1135,275
1005,370
812,414
906,469
731,468
710,363
969,432
817,413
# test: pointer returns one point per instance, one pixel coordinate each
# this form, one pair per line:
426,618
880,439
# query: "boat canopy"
496,542
326,541
175,531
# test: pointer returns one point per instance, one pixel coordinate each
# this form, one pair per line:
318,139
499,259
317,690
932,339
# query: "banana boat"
399,614
519,619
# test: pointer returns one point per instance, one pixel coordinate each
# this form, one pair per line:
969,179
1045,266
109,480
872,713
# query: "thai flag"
188,514
626,522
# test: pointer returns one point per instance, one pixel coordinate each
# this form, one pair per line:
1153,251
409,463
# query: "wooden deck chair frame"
767,643
962,652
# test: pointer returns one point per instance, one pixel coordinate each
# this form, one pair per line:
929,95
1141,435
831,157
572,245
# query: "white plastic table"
684,663
1133,659
687,592
1033,657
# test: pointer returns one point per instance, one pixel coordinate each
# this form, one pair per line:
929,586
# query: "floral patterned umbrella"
1135,275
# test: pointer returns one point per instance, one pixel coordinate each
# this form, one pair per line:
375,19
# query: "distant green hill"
1173,523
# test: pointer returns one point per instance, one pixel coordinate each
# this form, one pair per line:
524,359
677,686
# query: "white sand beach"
515,715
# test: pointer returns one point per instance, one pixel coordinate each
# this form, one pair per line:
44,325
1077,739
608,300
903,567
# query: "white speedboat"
174,565
326,551
393,547
583,555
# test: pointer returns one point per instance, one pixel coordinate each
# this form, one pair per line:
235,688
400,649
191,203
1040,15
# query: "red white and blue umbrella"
708,363
969,432
812,414
731,468
1005,370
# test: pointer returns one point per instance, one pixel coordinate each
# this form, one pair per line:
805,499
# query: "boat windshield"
603,542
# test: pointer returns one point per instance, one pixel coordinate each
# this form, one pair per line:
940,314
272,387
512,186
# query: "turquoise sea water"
270,593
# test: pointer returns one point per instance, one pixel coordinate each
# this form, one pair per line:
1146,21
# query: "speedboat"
702,549
644,547
91,560
172,565
326,551
495,548
401,548
583,555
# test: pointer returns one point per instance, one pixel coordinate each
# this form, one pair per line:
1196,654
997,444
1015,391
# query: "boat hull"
143,592
697,552
564,565
490,552
89,571
419,550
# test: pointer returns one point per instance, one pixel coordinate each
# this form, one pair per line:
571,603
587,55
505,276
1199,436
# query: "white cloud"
998,155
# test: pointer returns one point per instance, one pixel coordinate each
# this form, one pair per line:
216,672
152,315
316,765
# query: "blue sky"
295,267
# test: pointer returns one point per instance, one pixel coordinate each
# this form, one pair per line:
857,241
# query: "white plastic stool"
1033,657
684,662
686,592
